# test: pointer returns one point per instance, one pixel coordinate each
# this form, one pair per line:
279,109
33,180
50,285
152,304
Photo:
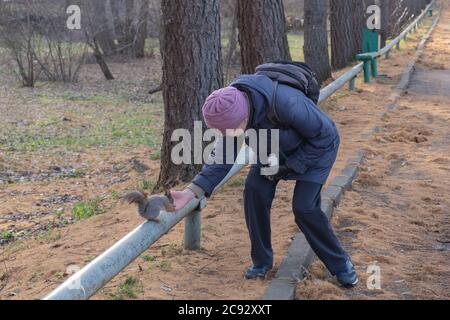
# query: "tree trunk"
98,55
127,42
102,64
233,39
316,38
341,33
262,33
416,7
115,19
91,33
103,34
358,18
347,18
141,29
385,15
192,69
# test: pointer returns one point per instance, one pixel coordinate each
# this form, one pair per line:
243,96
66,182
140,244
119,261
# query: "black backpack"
297,75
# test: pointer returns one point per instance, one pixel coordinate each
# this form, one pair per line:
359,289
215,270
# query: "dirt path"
398,215
31,267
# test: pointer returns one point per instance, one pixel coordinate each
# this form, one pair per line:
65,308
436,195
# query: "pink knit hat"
225,109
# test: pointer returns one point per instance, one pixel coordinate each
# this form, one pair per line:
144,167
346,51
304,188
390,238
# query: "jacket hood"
260,90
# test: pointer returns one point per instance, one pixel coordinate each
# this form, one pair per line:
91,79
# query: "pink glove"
182,198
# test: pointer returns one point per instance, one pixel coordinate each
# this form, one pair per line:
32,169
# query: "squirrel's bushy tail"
137,197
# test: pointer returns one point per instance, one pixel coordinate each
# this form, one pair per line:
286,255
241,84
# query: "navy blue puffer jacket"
309,138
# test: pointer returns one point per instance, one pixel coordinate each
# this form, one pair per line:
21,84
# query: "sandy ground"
397,217
33,266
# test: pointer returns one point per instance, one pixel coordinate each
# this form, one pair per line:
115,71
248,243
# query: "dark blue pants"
258,197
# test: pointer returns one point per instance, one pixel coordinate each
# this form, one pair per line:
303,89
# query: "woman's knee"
306,198
301,207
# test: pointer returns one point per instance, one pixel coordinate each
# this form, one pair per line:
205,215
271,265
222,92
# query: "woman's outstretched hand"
181,198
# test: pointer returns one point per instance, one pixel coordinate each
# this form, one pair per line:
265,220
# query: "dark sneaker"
348,278
255,273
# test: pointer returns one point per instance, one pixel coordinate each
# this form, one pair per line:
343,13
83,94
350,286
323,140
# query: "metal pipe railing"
97,273
87,281
351,75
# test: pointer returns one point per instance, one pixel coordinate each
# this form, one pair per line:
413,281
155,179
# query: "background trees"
127,25
105,35
114,31
32,35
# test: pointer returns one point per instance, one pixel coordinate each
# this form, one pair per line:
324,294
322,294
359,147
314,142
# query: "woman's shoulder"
290,101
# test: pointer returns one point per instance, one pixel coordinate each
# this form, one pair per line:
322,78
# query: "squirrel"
149,207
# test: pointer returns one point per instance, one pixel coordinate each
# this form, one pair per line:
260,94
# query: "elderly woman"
308,142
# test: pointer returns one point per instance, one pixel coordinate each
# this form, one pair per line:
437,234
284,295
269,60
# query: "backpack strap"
272,114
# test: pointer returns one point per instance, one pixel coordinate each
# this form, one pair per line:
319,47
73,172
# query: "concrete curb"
299,257
406,76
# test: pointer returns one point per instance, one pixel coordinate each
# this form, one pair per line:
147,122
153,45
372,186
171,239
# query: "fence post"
192,230
366,71
387,54
367,59
398,45
374,65
352,84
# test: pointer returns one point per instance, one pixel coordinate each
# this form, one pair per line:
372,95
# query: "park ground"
69,152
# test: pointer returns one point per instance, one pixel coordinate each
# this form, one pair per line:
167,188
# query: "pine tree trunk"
347,18
316,38
358,19
262,33
233,40
341,32
192,69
